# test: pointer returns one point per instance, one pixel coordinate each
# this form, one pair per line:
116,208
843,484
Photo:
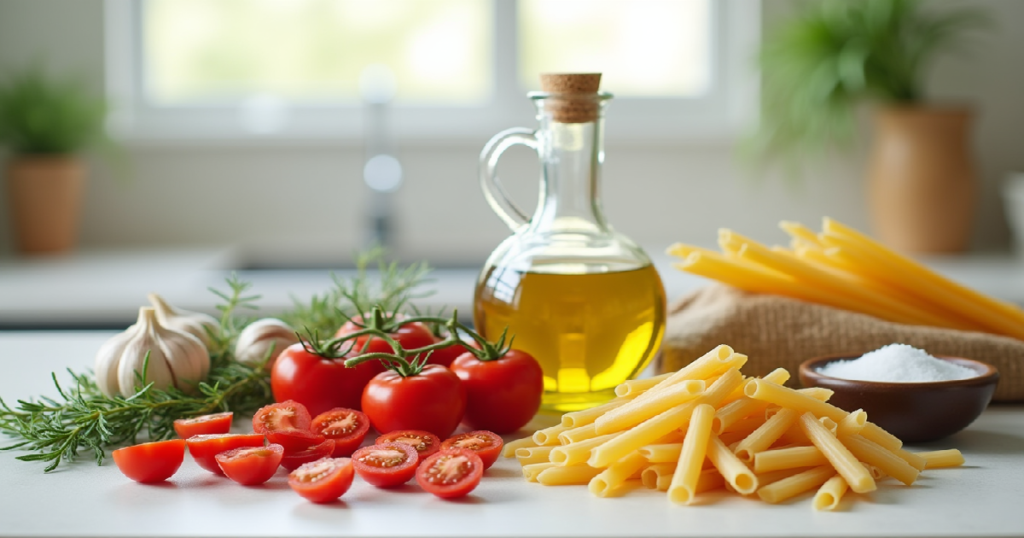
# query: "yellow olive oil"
590,331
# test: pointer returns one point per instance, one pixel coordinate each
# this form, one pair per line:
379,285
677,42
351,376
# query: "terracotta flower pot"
46,197
921,180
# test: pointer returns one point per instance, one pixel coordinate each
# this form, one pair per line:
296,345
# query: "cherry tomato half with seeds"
323,480
150,462
204,448
203,425
286,415
251,466
450,473
424,442
432,400
347,427
319,384
502,394
294,440
295,459
486,444
387,465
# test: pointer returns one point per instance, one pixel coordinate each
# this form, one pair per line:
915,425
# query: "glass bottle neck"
571,157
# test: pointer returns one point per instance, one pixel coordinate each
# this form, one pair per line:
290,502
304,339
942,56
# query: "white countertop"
984,498
104,289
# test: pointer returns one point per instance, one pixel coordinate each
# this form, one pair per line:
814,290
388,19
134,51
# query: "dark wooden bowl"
914,412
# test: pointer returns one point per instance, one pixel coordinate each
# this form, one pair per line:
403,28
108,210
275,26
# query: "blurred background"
276,135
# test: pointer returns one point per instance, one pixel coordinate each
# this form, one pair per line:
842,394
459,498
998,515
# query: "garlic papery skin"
195,323
255,341
176,358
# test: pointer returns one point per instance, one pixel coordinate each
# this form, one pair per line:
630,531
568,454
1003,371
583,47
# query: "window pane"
644,48
440,51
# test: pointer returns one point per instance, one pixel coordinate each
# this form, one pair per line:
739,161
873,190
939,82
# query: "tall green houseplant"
46,123
833,57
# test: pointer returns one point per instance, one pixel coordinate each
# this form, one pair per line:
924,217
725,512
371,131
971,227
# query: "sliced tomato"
203,425
450,473
486,444
424,442
347,427
323,480
294,440
292,461
386,465
286,415
151,462
204,448
251,466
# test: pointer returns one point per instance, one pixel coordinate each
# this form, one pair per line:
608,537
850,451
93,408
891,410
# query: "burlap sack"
780,332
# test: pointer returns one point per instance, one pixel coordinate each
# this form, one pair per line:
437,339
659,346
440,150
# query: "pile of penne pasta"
706,427
843,268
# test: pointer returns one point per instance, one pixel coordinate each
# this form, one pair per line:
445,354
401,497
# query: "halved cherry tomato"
295,459
503,394
203,425
347,427
294,440
386,465
432,400
450,473
286,415
251,466
323,480
486,444
150,462
204,448
424,442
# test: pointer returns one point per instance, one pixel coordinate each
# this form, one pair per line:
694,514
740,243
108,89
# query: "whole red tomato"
502,394
409,335
319,384
433,400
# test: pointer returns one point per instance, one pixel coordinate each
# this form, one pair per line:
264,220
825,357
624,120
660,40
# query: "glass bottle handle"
494,192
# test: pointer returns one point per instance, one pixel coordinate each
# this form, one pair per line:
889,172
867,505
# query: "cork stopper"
573,96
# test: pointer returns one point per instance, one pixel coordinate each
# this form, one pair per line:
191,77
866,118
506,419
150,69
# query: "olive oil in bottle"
589,331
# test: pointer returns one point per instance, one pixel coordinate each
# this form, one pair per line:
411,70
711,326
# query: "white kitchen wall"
305,202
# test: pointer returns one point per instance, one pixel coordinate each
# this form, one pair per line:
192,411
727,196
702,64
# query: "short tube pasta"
567,476
768,433
509,450
874,454
617,473
577,453
637,411
796,484
942,458
830,493
576,419
852,423
691,457
576,435
537,454
548,436
662,453
532,470
736,474
838,455
788,458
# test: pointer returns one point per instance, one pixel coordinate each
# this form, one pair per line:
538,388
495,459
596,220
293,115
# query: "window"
452,69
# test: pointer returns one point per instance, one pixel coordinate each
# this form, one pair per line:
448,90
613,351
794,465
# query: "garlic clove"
133,359
257,339
195,323
108,357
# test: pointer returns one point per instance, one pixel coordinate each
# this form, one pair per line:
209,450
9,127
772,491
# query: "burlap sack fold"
781,332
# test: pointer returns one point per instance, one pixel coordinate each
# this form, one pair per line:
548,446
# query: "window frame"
729,108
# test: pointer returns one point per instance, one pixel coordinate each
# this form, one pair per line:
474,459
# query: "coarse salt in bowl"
906,391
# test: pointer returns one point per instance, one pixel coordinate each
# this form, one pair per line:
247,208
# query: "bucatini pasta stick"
759,389
830,493
655,428
842,460
617,473
788,458
509,450
942,458
873,454
637,411
796,484
769,432
736,474
576,419
691,457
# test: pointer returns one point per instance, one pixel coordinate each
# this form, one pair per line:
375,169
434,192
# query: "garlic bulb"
255,340
195,323
176,358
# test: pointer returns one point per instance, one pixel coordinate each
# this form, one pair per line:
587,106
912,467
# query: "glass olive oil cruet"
584,300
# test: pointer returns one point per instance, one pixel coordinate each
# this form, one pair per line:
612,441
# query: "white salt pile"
897,363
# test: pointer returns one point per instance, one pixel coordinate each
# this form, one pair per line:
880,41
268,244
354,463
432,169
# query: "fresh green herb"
42,115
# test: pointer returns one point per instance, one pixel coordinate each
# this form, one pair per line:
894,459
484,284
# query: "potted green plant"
836,55
45,123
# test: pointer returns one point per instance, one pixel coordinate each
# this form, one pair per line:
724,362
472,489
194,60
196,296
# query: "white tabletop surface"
984,498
